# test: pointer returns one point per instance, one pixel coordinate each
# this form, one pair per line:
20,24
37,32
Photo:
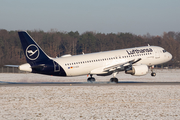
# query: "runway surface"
123,83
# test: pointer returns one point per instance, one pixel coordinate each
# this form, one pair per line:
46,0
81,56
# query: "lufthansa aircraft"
135,61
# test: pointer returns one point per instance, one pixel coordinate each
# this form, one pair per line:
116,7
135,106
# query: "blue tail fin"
32,51
37,58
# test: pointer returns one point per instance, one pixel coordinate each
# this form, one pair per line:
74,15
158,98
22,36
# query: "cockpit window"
164,51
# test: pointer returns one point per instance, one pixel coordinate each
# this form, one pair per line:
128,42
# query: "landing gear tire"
91,79
114,80
153,74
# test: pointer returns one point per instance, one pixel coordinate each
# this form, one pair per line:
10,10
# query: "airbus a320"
134,61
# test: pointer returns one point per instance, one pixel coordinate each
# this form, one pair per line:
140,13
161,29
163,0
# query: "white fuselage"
94,63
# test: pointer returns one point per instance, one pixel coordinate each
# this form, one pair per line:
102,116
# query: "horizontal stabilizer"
11,66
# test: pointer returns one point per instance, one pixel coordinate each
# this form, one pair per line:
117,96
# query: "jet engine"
138,70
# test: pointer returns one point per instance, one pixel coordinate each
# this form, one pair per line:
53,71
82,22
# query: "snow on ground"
90,102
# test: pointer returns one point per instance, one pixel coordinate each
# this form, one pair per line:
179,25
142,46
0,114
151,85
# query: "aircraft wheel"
153,74
91,79
114,80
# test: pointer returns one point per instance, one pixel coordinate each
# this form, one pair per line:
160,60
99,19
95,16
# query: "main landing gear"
91,79
153,74
114,79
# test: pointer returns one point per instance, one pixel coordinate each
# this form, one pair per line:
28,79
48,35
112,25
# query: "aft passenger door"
56,67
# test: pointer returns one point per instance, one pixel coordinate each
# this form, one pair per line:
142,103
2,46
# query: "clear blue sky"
105,16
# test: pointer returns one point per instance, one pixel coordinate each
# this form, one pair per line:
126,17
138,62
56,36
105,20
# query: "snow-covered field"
90,102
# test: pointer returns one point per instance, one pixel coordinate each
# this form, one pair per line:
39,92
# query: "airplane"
134,61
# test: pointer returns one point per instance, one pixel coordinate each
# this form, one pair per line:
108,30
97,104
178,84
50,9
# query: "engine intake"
138,70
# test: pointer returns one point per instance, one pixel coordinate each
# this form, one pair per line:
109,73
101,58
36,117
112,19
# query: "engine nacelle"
138,70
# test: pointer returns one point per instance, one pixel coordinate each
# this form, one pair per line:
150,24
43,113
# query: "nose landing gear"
153,74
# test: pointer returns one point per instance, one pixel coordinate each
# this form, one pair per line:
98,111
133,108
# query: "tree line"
56,43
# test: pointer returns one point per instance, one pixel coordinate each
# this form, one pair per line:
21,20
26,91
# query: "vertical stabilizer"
37,58
32,51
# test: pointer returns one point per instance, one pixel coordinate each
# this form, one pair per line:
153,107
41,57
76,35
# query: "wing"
122,66
103,71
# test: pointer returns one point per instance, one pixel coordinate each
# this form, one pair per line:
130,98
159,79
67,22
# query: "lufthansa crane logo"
32,52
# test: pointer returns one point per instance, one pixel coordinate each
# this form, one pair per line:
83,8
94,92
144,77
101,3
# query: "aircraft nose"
169,56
